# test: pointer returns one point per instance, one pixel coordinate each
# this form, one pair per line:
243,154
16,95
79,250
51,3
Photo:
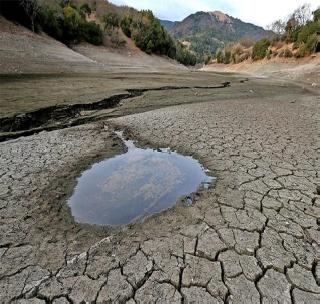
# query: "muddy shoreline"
58,117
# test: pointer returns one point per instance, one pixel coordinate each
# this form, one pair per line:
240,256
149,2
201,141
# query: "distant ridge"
207,31
167,24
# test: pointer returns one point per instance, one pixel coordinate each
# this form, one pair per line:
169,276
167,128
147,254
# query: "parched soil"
252,238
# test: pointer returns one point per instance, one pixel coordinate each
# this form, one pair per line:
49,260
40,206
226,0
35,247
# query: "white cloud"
264,12
254,11
168,9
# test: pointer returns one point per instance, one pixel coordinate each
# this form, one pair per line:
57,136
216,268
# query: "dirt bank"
305,72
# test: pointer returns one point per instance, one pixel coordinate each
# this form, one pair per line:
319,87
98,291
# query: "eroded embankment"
59,116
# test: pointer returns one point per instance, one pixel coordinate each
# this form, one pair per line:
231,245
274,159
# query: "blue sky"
254,11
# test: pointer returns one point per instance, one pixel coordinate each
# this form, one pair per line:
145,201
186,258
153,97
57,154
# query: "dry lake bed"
252,236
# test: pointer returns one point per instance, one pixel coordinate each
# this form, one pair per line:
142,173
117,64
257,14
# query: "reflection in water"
134,185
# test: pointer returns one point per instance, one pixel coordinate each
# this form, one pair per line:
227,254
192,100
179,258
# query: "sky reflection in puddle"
135,185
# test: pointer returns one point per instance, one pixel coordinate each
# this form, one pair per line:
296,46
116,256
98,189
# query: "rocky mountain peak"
221,16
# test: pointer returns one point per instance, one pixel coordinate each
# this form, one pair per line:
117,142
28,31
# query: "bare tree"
278,26
302,14
32,9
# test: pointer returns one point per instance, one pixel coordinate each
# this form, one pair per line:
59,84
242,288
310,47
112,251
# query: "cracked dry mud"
252,238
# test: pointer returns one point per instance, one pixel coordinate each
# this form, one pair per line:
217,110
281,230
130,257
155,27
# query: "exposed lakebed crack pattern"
254,238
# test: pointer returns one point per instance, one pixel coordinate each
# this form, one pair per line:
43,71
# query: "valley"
252,236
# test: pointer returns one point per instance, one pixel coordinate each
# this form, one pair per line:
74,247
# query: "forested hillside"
296,37
97,22
208,31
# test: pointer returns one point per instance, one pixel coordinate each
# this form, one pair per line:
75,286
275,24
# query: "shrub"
233,53
316,15
71,24
307,31
311,43
294,34
237,49
125,24
184,56
227,57
85,9
260,49
302,51
150,36
301,30
111,20
286,53
295,46
207,59
292,29
220,56
246,55
308,36
268,54
116,40
51,22
246,42
278,44
92,33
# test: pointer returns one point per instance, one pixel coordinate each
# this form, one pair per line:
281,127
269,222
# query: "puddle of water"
135,185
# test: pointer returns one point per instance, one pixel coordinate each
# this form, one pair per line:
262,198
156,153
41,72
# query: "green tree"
150,47
150,36
292,28
51,22
32,9
71,22
316,15
307,31
125,24
220,56
84,9
92,33
111,20
260,48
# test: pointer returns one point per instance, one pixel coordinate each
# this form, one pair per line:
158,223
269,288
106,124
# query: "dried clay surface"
251,238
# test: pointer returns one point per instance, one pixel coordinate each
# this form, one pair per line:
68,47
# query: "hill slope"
23,51
168,25
207,31
97,22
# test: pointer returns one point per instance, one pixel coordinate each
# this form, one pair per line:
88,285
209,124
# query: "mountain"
205,32
168,25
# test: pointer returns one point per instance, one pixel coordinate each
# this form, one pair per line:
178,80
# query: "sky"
254,11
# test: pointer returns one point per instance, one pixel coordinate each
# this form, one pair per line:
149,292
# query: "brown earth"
304,72
251,238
